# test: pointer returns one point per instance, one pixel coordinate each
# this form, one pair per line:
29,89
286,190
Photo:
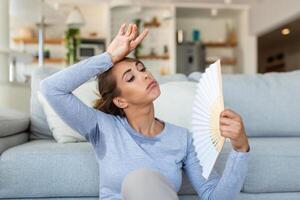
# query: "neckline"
140,135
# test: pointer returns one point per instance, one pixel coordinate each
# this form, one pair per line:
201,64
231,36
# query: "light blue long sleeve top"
120,149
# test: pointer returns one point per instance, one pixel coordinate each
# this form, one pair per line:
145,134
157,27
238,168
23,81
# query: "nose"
146,76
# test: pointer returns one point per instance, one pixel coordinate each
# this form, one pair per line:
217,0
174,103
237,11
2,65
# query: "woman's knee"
144,183
138,176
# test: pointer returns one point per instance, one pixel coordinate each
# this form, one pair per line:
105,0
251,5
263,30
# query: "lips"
151,84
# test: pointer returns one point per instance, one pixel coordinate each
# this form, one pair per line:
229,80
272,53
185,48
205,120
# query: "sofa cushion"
175,102
260,92
61,131
171,77
274,165
13,140
268,103
195,76
12,122
45,168
38,124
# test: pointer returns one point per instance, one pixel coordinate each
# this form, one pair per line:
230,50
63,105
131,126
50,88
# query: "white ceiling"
242,2
55,10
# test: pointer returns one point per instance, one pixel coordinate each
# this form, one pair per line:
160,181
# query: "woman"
140,156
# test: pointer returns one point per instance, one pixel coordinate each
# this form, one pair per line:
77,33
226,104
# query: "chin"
155,93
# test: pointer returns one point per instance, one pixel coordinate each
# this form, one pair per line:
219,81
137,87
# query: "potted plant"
72,40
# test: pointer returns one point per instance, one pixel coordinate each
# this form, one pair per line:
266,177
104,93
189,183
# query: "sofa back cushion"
61,131
268,103
175,102
38,125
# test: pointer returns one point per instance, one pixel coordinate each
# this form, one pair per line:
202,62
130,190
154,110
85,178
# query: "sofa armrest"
13,140
13,122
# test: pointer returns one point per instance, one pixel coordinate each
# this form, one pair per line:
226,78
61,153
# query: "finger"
228,121
122,29
226,134
232,111
229,134
139,39
133,34
230,129
129,29
234,127
229,113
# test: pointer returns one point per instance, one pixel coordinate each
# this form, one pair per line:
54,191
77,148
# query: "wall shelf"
219,44
35,40
224,61
51,60
156,57
153,23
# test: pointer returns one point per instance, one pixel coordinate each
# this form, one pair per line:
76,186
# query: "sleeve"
216,187
58,87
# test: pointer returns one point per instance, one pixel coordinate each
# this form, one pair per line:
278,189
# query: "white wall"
269,14
11,95
15,96
96,19
4,39
249,45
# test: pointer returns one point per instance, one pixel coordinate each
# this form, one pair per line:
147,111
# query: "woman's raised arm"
57,88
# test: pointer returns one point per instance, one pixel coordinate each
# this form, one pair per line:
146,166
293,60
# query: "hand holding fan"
207,107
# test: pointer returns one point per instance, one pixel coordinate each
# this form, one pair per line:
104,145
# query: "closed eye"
140,66
131,79
143,69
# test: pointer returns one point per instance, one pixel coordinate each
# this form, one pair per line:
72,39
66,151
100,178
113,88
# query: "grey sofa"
34,166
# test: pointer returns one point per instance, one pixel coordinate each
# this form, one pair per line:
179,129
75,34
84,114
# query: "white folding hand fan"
208,105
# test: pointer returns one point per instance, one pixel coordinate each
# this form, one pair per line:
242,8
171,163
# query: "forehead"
122,66
125,64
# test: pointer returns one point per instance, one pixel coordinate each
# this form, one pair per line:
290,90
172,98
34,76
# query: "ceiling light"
56,6
75,18
227,1
285,31
214,12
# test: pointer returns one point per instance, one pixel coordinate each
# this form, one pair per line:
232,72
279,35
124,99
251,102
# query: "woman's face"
136,83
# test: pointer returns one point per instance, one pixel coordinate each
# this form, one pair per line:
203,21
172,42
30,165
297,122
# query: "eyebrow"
138,62
128,70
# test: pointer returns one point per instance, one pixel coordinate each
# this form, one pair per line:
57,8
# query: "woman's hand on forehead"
125,41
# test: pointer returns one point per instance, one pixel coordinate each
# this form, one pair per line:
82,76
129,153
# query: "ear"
120,102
